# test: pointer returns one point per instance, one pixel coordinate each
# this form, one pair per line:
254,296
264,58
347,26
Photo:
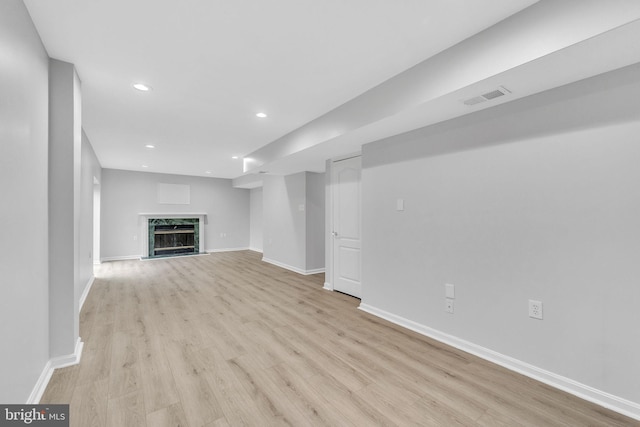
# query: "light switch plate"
449,291
400,204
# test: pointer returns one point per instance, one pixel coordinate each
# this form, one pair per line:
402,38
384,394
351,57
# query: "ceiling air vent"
501,91
474,100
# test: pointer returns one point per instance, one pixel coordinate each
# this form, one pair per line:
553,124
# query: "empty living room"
225,213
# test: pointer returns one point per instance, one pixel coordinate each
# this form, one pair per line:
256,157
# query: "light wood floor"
227,340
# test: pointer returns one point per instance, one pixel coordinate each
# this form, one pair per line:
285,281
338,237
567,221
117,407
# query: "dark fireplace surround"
173,236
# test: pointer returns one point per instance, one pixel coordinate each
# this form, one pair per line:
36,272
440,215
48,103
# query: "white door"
346,226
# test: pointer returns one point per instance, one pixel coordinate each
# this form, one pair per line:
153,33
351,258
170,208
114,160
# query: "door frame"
329,194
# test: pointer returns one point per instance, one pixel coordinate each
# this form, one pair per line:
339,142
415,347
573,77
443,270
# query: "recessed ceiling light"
145,166
261,115
149,146
142,87
234,157
208,172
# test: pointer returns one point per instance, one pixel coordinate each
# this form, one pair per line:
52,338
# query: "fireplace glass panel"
174,236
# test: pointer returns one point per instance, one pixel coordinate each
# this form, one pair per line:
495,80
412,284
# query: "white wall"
535,199
284,222
90,168
65,142
315,208
293,218
125,194
255,227
328,223
23,211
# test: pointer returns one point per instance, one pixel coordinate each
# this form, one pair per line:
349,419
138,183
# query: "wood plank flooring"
227,340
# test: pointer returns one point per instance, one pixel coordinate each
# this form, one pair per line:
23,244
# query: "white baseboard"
69,359
255,250
228,249
119,258
49,367
328,286
615,403
41,385
294,269
87,288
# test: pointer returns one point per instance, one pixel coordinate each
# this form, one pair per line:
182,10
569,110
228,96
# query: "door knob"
334,233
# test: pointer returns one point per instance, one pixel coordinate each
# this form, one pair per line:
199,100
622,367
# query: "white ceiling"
556,44
331,75
213,64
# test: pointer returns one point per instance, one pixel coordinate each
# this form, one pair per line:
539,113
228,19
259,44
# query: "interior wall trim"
49,367
120,258
294,269
86,290
328,286
244,248
41,385
599,397
69,359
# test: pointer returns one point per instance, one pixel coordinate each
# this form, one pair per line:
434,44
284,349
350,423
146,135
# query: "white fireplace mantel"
144,227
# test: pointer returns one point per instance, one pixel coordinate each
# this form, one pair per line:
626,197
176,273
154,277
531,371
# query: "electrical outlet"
535,309
448,305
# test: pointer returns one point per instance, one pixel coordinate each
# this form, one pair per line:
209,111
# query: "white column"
65,138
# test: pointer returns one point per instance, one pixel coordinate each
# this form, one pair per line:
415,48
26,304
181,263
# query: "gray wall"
24,324
125,194
255,228
328,238
315,221
65,144
90,169
284,222
293,218
535,199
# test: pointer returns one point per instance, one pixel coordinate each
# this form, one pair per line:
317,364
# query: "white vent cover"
500,91
474,100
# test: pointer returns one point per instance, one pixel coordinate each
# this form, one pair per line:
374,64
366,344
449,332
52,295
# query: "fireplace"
172,234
